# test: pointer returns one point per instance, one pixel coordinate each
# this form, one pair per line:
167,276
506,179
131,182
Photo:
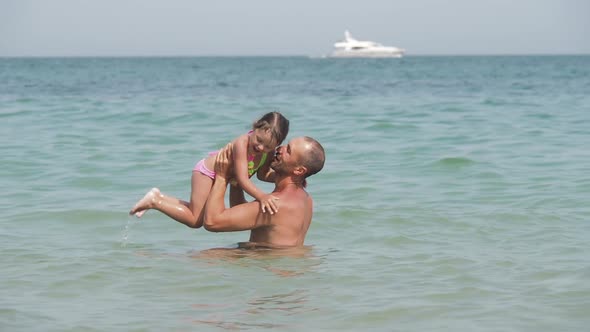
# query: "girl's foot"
147,202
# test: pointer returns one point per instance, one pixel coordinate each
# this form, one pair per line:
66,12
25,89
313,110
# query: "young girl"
250,153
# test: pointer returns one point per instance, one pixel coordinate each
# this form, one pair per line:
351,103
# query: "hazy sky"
301,27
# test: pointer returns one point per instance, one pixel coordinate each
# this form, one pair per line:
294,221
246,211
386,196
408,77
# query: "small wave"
455,109
379,125
25,100
71,216
494,102
224,84
401,240
540,116
522,86
91,182
455,162
504,102
19,113
489,175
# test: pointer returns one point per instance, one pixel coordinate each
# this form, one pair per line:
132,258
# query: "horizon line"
279,55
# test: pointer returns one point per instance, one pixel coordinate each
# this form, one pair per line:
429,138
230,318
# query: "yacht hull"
365,55
353,48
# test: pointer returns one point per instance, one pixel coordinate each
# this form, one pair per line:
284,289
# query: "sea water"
455,195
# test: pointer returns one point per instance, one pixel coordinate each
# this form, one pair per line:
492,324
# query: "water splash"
125,233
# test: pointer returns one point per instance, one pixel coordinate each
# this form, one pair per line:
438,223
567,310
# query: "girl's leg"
189,214
201,186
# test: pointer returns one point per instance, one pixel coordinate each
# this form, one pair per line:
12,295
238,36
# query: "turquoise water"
454,197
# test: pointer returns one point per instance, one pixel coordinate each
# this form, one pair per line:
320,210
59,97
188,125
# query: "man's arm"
245,216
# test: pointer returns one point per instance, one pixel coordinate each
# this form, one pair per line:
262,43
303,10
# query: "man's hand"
224,161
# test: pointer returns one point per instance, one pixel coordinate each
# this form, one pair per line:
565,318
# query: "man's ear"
300,170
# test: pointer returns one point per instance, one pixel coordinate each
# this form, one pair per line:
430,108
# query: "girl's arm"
265,173
240,162
236,196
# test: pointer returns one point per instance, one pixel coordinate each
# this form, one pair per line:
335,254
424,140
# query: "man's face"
287,156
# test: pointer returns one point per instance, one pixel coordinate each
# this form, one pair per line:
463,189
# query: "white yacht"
352,48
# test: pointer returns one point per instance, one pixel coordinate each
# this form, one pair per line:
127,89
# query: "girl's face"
261,140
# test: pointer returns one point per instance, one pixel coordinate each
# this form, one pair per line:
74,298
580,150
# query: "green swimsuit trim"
251,168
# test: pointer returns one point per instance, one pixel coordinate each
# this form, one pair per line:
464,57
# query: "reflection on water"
288,304
254,250
251,313
247,254
237,325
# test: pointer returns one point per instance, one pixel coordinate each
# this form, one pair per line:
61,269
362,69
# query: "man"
292,164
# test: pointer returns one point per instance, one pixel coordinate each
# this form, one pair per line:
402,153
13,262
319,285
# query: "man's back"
289,225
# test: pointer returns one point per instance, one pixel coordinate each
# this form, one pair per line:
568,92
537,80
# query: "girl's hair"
276,123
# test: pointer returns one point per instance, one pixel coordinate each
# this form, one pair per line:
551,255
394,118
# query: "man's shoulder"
294,199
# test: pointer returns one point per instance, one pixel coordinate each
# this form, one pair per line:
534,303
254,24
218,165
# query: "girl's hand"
268,203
